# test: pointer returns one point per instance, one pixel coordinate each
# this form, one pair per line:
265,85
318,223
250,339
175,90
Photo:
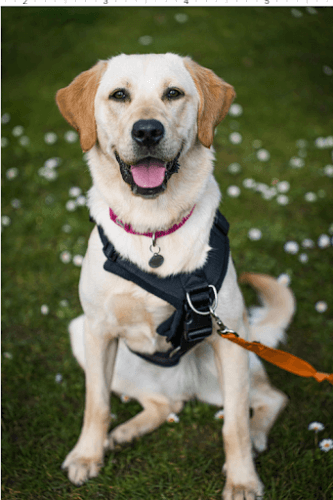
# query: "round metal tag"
156,260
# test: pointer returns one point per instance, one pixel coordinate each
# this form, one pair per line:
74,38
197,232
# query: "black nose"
147,132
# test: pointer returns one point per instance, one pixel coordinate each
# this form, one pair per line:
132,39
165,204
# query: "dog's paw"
80,468
249,490
124,433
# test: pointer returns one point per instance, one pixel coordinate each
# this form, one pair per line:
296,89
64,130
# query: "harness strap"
282,359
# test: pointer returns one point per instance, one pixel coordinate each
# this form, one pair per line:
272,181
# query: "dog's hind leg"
156,408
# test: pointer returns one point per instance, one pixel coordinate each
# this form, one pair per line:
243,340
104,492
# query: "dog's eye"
118,95
173,93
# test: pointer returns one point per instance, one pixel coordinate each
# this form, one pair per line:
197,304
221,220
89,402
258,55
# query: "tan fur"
119,315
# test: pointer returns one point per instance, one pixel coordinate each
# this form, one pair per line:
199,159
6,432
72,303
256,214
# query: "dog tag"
156,260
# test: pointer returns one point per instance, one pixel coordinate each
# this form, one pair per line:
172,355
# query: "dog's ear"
77,103
216,97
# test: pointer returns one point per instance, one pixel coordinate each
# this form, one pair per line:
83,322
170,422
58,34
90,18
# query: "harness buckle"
198,322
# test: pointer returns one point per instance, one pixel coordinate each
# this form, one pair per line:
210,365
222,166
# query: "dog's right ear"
77,104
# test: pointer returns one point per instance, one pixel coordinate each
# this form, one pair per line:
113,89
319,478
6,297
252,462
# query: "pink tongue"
148,173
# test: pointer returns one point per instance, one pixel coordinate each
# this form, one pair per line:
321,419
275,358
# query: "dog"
146,124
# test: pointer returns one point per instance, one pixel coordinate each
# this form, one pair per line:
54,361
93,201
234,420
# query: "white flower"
324,241
233,191
16,203
44,309
296,13
5,220
283,186
181,18
71,206
124,398
145,40
58,378
50,138
307,243
321,306
12,173
81,201
311,10
296,162
303,257
328,70
49,199
63,303
219,415
311,197
24,140
269,193
284,279
316,426
235,110
291,247
235,138
5,118
263,155
4,142
52,163
8,355
234,168
71,136
257,144
172,418
254,234
77,260
301,143
249,183
75,191
66,228
282,199
50,175
17,131
65,257
322,142
261,187
328,170
326,445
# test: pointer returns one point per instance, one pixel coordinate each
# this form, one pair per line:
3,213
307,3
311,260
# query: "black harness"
190,293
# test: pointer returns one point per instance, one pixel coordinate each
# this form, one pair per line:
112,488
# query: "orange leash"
282,359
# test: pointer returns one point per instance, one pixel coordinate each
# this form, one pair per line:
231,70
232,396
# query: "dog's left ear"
77,104
216,97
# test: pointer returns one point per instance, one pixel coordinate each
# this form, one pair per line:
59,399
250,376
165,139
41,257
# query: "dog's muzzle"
149,176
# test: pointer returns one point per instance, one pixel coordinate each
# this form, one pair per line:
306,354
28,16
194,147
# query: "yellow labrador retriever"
147,124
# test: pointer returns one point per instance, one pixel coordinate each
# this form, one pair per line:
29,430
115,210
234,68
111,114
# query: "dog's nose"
147,132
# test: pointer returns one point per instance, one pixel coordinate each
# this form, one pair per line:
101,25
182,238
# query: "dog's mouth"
149,176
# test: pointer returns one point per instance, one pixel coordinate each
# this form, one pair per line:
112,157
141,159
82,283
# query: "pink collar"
158,234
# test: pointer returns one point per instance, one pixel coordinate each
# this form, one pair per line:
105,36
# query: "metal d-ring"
212,308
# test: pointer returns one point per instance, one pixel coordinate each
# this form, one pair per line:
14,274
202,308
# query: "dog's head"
146,111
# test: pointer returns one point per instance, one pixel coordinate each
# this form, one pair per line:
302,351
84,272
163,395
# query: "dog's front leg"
233,368
86,458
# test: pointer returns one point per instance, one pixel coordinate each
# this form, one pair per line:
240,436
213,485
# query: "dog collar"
157,259
157,234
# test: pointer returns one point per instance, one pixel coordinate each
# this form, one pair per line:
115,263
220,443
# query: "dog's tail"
268,322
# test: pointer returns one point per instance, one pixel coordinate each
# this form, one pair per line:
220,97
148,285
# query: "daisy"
249,183
71,206
50,138
235,138
282,199
5,118
8,355
181,18
233,191
24,140
15,203
64,303
303,258
326,445
65,257
235,110
257,144
77,260
71,136
324,241
291,247
81,200
4,142
66,228
12,173
327,70
307,243
173,418
234,168
124,398
5,220
320,306
263,155
17,131
316,426
145,40
301,143
44,309
254,234
219,415
283,186
296,13
52,163
75,191
328,170
296,162
284,279
311,197
58,378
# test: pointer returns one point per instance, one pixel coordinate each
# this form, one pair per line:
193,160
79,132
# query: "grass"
275,61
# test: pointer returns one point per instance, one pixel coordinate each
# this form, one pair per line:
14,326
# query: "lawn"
275,169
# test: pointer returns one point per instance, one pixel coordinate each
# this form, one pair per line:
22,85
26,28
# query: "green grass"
275,61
